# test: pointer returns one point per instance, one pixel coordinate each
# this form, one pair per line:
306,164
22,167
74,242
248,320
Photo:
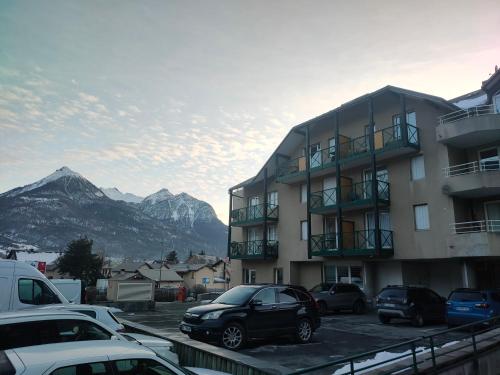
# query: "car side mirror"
256,302
332,292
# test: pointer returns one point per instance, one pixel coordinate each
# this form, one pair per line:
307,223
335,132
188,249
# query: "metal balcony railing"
254,249
472,167
480,110
323,158
476,226
365,239
254,214
324,198
361,242
324,243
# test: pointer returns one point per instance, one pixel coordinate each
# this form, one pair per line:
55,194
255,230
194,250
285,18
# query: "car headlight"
212,315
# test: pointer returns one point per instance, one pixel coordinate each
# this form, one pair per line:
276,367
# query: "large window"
249,276
36,292
421,213
303,193
344,274
278,275
303,230
417,168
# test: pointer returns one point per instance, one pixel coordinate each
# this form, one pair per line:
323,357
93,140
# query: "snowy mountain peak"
159,196
117,195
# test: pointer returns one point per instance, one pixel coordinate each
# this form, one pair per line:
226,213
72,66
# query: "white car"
90,358
102,314
45,326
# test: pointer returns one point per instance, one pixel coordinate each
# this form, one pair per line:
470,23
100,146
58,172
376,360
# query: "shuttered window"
303,230
421,212
417,168
303,193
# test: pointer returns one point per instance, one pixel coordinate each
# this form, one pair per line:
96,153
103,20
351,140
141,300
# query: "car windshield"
236,296
467,296
321,288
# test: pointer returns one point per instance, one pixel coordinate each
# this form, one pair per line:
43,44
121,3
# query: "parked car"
471,305
339,296
254,311
90,358
40,326
414,303
103,314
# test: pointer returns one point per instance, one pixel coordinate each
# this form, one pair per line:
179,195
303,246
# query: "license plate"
389,305
185,328
463,308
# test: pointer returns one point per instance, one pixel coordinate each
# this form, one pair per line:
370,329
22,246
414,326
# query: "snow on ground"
385,356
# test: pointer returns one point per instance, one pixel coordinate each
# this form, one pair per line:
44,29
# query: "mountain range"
63,206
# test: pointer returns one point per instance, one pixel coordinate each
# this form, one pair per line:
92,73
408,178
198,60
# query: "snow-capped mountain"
117,195
65,205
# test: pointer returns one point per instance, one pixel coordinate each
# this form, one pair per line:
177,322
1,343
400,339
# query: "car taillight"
482,305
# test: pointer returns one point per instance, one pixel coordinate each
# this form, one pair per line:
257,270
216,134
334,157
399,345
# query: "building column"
371,125
308,179
229,223
403,125
340,239
264,235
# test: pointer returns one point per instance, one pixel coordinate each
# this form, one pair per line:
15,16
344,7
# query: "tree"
172,257
202,252
79,262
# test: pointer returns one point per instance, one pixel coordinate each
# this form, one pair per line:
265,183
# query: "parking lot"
340,335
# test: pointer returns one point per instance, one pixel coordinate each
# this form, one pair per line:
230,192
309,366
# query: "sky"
194,96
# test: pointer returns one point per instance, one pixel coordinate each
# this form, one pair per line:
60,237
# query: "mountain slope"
117,195
65,206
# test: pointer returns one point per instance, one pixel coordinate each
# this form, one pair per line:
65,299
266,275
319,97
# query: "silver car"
338,296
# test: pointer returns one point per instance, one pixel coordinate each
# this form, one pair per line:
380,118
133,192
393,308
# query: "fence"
480,110
476,226
472,167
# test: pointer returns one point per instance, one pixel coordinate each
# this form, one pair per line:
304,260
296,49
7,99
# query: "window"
249,276
141,367
278,275
303,193
83,368
421,213
417,168
303,230
267,296
344,274
287,295
489,160
36,292
331,148
90,313
79,330
272,198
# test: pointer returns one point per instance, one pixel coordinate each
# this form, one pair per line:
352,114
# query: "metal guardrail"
254,213
476,226
479,110
472,167
432,345
254,249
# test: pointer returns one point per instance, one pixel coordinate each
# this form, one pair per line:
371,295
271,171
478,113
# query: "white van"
70,288
23,286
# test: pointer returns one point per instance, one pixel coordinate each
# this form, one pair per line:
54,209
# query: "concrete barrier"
198,354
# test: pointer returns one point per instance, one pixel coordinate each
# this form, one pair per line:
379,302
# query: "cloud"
88,98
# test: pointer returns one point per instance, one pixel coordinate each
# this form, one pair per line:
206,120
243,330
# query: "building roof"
166,274
129,266
186,267
202,259
34,256
344,107
492,84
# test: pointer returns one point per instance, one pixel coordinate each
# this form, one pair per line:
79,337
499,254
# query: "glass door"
315,155
382,180
272,204
493,216
385,225
329,191
253,246
330,231
253,203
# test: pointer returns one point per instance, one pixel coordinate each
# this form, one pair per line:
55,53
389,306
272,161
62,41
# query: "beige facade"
417,208
211,276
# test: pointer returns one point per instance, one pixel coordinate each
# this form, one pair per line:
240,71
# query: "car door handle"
274,307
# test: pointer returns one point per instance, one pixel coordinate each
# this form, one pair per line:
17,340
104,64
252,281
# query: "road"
340,335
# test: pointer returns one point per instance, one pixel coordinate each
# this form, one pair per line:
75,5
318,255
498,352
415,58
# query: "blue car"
471,305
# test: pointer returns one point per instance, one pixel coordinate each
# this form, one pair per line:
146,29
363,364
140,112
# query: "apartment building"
393,187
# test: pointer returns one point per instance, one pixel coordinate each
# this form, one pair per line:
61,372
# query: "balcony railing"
480,110
292,167
324,158
254,250
476,226
324,199
357,243
254,214
384,139
472,167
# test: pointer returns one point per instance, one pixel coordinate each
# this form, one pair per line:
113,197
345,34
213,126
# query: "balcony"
253,215
354,196
473,180
388,143
254,250
357,243
475,238
469,127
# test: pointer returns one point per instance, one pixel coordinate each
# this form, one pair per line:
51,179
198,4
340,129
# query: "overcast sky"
195,95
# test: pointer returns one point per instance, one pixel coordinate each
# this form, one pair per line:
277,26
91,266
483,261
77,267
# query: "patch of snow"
62,172
159,196
32,256
117,195
472,102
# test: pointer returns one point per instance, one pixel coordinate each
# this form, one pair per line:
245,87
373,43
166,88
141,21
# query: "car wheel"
323,309
384,319
358,307
233,336
304,331
417,320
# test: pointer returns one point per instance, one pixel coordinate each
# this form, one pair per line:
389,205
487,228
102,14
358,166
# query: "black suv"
253,311
415,303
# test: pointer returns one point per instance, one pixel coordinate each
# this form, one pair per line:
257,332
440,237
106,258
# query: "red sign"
41,266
